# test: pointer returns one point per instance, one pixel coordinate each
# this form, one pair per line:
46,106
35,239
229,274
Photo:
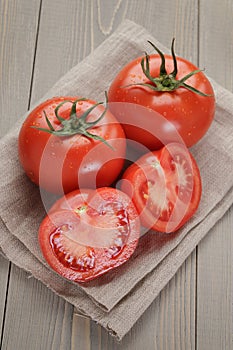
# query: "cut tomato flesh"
166,187
80,235
165,190
70,254
92,238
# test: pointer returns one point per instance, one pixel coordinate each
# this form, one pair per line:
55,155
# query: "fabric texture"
117,299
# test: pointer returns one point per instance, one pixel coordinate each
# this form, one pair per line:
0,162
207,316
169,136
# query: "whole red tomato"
165,187
169,85
67,142
88,233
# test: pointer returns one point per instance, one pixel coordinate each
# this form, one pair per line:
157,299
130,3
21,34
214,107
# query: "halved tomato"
165,187
97,233
72,200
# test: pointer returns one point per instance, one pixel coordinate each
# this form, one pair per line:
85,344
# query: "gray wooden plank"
4,271
215,288
215,253
27,306
17,43
17,32
216,52
64,40
36,318
81,333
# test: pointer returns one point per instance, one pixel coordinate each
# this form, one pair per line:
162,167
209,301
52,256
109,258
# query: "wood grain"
4,271
42,322
81,333
215,253
215,44
18,28
17,47
64,40
40,317
215,286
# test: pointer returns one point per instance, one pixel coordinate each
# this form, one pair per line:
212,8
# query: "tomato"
72,200
67,142
95,235
165,187
175,90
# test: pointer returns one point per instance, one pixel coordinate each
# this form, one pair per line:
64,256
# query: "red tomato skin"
103,263
136,174
61,164
190,113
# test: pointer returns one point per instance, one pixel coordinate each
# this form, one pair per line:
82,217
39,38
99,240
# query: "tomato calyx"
166,82
74,124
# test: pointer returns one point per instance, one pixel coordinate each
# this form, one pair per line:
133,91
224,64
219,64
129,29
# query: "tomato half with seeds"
92,237
71,142
172,87
165,187
72,200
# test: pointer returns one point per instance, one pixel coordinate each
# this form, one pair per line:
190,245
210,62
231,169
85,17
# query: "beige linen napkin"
119,298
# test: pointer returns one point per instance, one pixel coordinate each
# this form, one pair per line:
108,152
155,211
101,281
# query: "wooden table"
40,40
